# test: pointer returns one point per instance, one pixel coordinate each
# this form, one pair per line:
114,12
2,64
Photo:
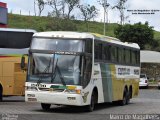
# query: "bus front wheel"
94,99
45,106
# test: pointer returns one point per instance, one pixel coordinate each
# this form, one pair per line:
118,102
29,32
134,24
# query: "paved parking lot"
147,102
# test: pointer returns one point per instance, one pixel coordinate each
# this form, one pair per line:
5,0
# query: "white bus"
81,69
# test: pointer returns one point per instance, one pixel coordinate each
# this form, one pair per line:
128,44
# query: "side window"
138,57
88,46
98,50
87,71
116,59
120,55
107,52
114,54
127,54
124,55
133,54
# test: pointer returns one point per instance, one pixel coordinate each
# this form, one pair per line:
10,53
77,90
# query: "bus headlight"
29,88
73,91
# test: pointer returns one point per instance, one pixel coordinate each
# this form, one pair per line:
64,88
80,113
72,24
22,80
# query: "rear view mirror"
23,62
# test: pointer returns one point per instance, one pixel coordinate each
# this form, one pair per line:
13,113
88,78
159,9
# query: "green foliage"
156,35
71,4
137,33
49,23
58,24
88,12
121,7
41,5
27,22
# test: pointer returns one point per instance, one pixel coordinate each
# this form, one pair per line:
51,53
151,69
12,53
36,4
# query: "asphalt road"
147,103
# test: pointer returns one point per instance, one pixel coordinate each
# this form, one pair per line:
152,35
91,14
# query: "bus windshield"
60,61
57,44
54,68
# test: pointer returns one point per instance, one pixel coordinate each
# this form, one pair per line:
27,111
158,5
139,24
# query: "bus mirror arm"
23,67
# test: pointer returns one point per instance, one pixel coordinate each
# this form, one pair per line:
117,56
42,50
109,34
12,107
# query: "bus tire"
129,95
94,99
1,93
45,106
124,101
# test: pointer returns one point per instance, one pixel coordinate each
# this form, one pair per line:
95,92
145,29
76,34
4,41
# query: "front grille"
44,89
51,89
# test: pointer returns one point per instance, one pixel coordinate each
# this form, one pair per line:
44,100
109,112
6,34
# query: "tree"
61,24
41,5
71,4
88,12
57,6
121,7
137,33
105,6
63,8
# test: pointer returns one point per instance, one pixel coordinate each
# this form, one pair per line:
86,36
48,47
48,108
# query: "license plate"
32,99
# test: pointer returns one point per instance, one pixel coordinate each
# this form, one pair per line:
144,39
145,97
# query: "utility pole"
104,6
35,7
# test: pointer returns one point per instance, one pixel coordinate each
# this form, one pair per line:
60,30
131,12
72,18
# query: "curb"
152,87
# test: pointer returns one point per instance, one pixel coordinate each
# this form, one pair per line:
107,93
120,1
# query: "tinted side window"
88,46
98,51
133,54
114,54
15,39
138,57
87,70
120,55
127,56
107,52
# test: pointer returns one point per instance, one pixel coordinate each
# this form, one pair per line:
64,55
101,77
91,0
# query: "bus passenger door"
19,79
8,77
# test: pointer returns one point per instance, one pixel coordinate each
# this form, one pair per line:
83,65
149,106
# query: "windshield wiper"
53,72
43,73
61,77
59,72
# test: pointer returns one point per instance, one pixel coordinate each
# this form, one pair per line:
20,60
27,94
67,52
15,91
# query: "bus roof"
82,35
17,30
15,38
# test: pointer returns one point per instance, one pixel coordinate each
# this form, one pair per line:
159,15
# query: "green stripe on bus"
58,87
106,82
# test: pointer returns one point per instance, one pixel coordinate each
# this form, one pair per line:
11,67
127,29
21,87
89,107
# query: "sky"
27,7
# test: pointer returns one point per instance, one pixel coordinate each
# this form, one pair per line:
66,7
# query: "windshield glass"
54,68
57,44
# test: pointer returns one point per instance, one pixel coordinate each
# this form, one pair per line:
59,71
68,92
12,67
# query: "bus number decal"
123,71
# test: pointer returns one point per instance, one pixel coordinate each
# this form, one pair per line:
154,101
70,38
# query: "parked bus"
14,43
81,69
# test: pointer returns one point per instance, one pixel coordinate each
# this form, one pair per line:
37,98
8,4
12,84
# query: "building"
3,15
150,64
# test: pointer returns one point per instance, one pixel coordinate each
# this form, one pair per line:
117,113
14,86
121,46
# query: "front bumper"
143,84
59,98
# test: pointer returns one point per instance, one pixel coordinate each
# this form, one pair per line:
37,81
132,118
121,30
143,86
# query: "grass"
157,35
40,24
